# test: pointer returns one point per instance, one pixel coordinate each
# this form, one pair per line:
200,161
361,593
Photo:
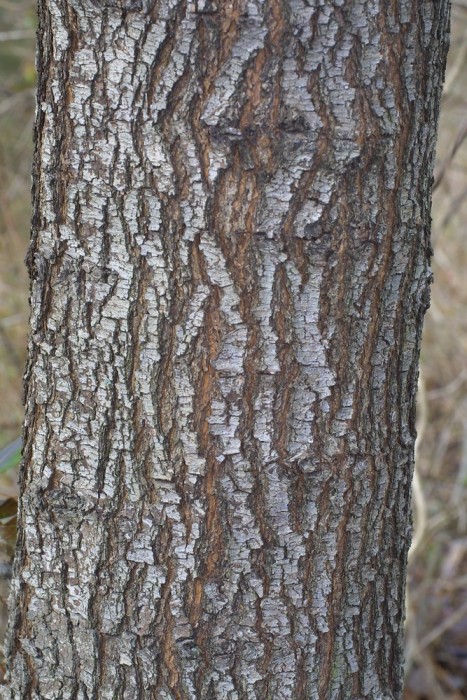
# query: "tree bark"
229,270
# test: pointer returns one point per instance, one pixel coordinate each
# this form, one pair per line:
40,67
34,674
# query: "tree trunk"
230,267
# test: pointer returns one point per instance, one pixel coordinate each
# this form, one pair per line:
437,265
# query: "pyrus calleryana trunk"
229,270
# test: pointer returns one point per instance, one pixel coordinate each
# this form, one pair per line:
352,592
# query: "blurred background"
17,86
437,588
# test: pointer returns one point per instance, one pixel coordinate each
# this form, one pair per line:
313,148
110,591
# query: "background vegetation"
437,597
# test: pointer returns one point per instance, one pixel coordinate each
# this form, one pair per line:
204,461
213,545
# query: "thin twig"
443,627
418,497
456,144
459,490
449,388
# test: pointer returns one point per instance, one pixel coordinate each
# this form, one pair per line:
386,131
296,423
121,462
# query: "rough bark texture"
230,267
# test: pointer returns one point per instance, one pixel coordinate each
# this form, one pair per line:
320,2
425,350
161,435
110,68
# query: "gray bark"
229,270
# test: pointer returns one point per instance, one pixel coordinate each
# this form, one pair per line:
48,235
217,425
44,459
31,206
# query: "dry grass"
437,608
